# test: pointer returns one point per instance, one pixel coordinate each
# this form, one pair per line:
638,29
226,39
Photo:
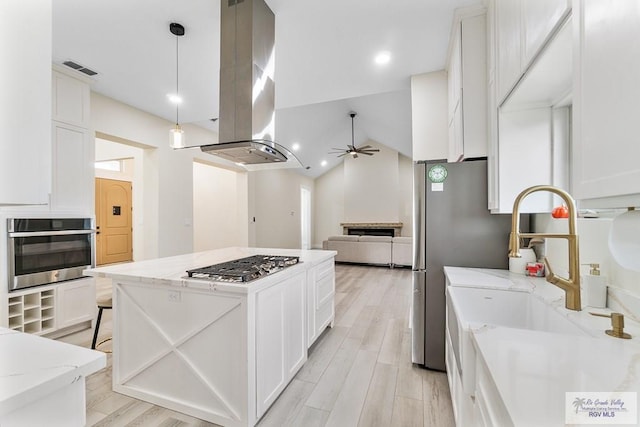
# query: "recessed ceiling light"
295,146
383,58
323,163
174,98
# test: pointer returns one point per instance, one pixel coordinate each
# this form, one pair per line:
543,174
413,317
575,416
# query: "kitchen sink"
513,309
474,308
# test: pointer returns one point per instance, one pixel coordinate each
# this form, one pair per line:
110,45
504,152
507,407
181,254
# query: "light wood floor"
358,374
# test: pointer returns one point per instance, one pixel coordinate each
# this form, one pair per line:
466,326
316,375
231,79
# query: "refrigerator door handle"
418,318
419,217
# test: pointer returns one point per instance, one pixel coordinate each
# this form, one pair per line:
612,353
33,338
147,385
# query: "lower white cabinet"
320,298
280,338
43,310
76,302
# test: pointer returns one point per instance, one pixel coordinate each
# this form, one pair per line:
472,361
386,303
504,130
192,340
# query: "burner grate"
244,269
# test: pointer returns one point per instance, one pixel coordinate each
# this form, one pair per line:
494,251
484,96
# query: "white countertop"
532,370
32,367
171,271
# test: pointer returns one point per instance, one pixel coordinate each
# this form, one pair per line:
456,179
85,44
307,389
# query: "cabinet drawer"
324,289
325,269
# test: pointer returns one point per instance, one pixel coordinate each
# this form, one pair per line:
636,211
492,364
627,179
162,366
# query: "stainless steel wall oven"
48,250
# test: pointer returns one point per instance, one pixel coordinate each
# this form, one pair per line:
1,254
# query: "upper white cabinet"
25,113
522,29
539,18
607,61
467,81
72,182
72,153
529,82
70,100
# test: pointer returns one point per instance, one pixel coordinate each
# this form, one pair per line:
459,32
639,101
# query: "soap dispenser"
595,287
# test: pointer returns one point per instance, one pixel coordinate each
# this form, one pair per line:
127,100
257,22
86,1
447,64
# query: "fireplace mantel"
395,226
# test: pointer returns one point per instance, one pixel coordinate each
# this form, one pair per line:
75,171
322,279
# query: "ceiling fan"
352,149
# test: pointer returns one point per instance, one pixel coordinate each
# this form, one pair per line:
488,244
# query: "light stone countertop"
532,370
32,367
171,271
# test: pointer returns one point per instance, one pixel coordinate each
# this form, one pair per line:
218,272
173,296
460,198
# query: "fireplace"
371,232
391,229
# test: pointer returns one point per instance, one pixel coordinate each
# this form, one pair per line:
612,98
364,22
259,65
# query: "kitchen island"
219,351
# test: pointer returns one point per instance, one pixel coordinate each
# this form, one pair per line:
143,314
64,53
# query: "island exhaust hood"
247,112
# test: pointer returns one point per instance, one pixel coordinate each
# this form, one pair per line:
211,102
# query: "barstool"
103,303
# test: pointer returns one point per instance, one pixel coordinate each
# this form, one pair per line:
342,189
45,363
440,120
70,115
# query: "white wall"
370,200
429,124
219,207
371,190
168,174
329,205
593,247
274,202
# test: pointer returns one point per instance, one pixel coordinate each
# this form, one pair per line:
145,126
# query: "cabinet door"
454,76
280,342
72,183
76,301
456,142
474,86
509,49
605,153
539,18
70,100
25,104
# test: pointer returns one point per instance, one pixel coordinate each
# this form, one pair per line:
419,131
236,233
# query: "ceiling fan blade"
338,149
337,152
364,147
366,154
343,154
370,150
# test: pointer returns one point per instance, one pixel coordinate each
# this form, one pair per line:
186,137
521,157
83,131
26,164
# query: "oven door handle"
49,233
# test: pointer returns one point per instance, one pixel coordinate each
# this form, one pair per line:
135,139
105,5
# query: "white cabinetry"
522,29
280,338
320,296
76,302
467,86
25,113
70,100
605,151
73,174
72,145
529,82
44,310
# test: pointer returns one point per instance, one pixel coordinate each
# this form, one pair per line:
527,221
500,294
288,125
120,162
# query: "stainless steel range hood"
247,112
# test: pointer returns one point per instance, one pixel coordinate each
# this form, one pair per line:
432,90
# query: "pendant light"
177,138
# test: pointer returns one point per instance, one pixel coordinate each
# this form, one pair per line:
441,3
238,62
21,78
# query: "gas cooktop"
244,269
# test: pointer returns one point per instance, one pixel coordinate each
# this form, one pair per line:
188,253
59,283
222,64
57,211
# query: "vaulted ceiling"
324,63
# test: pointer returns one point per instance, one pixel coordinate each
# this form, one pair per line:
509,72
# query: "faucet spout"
570,285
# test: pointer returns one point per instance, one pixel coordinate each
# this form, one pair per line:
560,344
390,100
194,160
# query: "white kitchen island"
222,352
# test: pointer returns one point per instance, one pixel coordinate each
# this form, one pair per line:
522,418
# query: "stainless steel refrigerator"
451,227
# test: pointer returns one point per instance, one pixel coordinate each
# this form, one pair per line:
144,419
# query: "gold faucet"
570,286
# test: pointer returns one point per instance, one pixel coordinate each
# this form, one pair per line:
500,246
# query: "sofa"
378,250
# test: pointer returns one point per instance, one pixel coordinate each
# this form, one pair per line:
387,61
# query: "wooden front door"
113,221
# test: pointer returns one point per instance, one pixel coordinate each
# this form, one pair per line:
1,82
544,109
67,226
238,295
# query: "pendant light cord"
177,80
